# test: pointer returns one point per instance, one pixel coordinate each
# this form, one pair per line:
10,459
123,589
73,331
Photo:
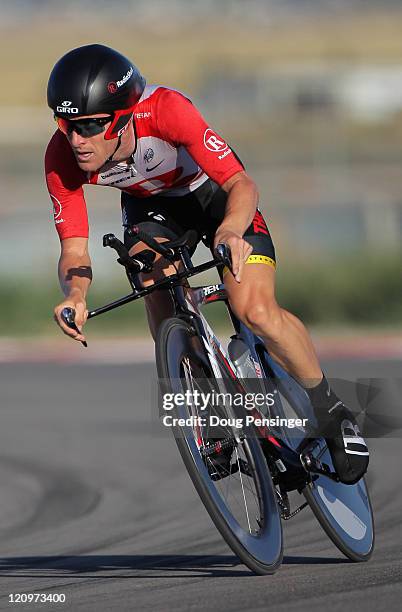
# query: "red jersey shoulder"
162,112
145,113
180,123
175,116
64,181
60,163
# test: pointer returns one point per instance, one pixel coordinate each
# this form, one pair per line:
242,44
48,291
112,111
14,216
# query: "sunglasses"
84,127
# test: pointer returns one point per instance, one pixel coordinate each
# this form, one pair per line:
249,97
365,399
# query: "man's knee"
262,316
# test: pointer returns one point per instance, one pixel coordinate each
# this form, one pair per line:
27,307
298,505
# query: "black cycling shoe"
348,450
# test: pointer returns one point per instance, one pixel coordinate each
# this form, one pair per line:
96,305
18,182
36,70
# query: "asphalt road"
95,504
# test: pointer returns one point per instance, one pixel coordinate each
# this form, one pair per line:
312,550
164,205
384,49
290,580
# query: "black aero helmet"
95,79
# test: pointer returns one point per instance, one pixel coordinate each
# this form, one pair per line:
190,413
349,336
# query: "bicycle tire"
263,552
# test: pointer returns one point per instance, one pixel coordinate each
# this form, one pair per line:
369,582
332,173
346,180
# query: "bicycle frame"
293,463
187,301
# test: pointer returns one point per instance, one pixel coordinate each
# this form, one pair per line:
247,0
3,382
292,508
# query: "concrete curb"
138,350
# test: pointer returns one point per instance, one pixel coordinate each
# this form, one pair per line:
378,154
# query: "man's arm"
240,210
75,275
180,123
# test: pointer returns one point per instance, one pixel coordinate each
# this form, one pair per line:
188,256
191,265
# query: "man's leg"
254,303
164,219
285,336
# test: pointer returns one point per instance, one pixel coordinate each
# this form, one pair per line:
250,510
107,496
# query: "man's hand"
240,250
76,301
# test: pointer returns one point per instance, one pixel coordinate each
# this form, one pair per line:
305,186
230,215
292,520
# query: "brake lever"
223,253
68,316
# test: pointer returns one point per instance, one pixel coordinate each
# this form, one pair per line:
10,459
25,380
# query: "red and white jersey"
176,151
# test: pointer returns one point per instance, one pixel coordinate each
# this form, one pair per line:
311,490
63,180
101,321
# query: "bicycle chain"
285,514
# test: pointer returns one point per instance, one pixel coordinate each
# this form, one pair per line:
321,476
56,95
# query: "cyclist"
174,173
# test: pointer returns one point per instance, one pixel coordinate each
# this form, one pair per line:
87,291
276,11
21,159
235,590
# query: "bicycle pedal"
312,466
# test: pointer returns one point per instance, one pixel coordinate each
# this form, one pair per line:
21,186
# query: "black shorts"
202,210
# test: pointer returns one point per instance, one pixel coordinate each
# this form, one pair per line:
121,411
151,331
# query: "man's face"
91,152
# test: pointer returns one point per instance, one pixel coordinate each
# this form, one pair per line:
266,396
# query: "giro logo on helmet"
67,108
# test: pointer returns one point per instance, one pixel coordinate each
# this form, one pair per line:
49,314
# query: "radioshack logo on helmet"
125,78
213,142
67,108
114,86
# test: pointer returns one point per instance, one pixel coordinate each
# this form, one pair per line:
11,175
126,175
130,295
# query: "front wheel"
239,495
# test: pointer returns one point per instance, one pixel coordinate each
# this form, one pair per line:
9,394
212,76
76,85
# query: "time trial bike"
230,410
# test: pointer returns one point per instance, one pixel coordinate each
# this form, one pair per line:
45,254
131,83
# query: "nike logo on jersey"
153,167
157,217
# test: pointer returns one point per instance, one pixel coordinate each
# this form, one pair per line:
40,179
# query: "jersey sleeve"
64,181
181,123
